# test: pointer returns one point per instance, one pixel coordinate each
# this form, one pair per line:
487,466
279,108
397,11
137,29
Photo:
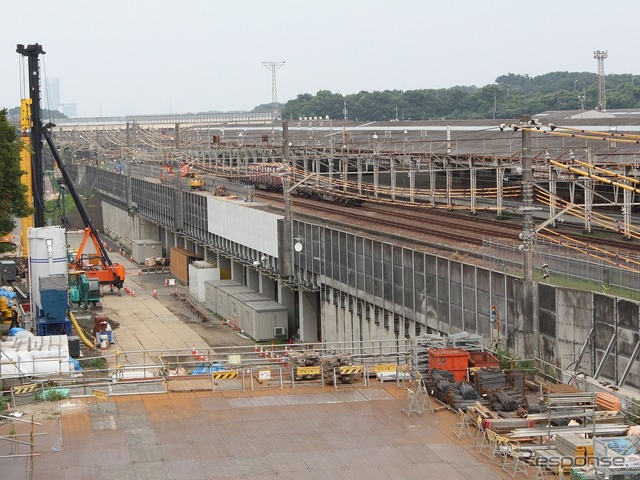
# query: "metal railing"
607,274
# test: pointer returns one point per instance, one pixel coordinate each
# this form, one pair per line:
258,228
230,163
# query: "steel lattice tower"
600,55
273,66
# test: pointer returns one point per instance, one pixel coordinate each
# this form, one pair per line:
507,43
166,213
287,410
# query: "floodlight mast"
601,55
273,66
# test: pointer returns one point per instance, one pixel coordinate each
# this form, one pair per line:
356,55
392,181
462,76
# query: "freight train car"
268,176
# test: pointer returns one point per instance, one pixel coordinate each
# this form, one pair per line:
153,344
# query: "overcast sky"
121,57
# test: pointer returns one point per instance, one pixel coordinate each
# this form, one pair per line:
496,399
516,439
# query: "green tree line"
510,96
13,200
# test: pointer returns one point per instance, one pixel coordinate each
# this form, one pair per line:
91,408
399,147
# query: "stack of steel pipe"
487,379
467,391
508,400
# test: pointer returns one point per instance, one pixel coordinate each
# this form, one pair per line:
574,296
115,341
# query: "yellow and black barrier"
28,389
227,380
348,375
307,375
225,375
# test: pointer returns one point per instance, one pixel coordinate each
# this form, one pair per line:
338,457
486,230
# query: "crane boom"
110,274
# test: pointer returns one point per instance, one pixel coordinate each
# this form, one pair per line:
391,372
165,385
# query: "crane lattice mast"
273,66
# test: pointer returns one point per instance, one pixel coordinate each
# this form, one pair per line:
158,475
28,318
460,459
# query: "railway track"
441,227
426,228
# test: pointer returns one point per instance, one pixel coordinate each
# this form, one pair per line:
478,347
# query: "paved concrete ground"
309,433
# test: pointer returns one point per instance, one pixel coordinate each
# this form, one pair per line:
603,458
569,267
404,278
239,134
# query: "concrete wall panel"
573,325
469,297
250,227
456,296
628,314
515,328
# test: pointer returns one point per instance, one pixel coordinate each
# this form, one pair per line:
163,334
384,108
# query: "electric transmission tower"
600,55
273,66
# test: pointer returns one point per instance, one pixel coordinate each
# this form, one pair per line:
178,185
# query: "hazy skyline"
146,57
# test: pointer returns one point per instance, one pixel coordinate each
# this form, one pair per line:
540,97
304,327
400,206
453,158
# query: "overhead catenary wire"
612,134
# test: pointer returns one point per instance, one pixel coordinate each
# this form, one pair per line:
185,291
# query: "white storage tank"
47,257
265,320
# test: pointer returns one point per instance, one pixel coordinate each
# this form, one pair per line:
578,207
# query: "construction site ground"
310,432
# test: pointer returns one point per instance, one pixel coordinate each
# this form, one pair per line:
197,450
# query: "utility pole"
273,66
530,286
527,200
32,53
285,226
601,55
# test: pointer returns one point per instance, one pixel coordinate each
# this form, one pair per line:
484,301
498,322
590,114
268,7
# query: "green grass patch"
93,363
53,394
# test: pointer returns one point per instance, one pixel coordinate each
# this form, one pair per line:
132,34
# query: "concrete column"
267,286
237,272
308,313
286,297
253,279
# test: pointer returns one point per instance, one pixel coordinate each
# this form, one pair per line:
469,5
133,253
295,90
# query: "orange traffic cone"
256,349
193,350
155,294
262,352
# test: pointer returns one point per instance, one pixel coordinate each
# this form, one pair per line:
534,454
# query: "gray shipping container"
211,292
143,249
223,293
265,320
8,271
236,300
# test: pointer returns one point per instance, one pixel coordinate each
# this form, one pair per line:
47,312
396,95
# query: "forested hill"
510,96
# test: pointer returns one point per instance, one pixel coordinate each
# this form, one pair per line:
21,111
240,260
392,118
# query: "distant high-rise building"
51,95
69,109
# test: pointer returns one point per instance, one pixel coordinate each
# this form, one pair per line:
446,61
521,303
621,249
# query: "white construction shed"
199,273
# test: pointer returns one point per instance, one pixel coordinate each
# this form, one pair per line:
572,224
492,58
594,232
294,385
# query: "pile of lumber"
574,445
479,410
157,261
307,358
